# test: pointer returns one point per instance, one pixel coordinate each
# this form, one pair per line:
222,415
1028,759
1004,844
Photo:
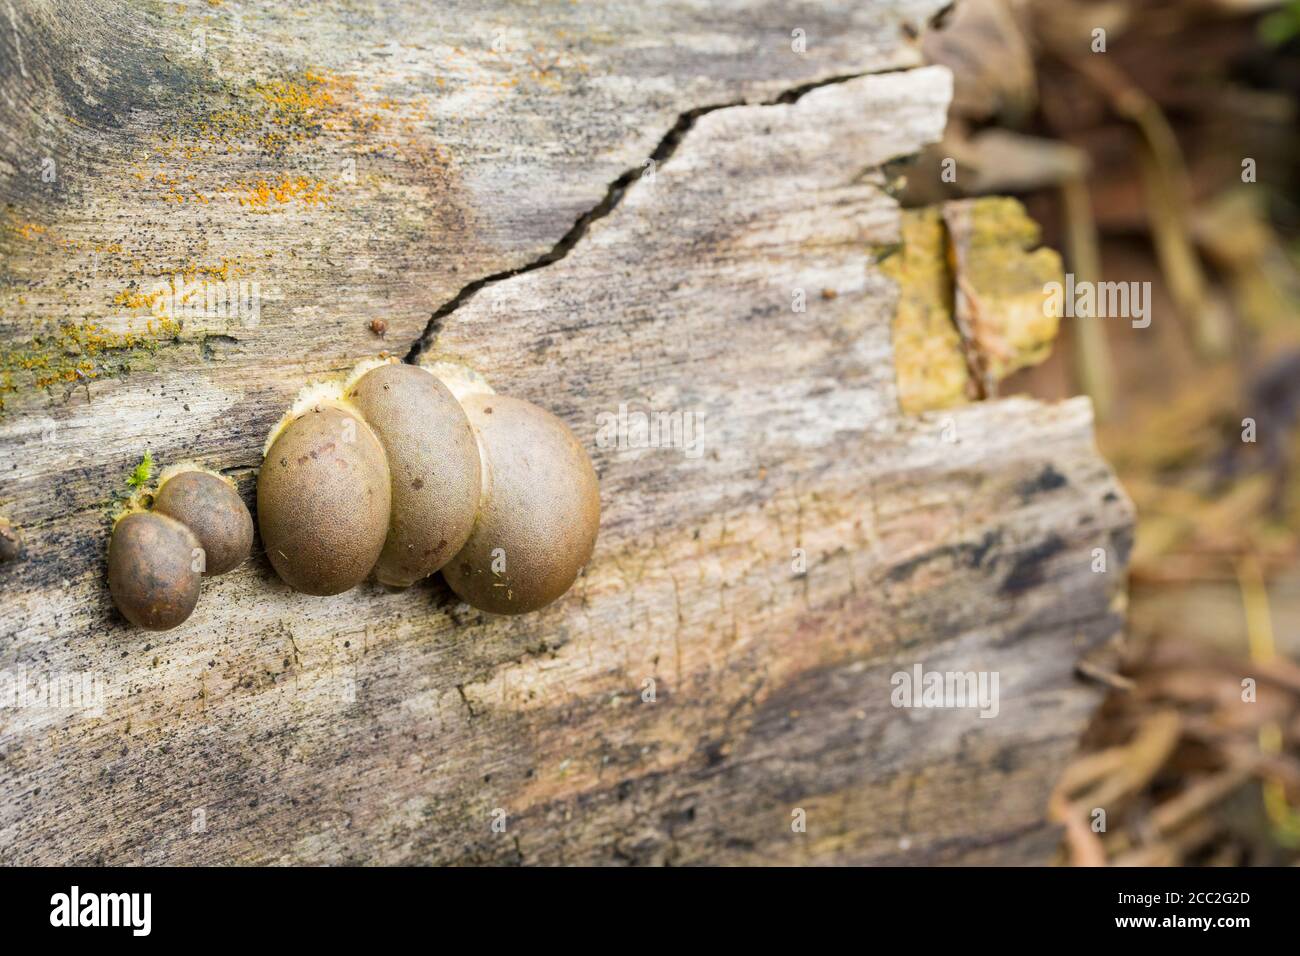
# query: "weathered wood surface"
389,727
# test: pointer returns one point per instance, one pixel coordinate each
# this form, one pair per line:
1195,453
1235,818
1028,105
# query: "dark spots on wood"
1005,760
1049,479
1028,570
979,552
208,345
1121,542
676,818
714,753
969,554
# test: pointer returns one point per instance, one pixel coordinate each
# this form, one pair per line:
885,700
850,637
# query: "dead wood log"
662,210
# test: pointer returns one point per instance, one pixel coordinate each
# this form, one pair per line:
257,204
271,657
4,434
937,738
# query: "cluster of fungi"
394,473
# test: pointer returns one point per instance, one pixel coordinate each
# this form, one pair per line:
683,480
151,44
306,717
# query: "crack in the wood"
460,689
613,196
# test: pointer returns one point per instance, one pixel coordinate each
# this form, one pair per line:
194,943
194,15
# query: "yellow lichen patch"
972,307
72,353
132,298
288,189
272,113
223,269
294,100
261,123
164,289
928,358
1001,283
30,230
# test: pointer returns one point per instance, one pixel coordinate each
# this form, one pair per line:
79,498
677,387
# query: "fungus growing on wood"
209,505
400,471
164,541
538,514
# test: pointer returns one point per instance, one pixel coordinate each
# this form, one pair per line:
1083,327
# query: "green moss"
1282,25
142,473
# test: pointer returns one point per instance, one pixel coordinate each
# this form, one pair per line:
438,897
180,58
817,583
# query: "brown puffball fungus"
539,510
210,507
323,500
152,570
434,463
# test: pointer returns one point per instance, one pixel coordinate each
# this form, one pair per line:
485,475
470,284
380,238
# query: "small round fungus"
208,505
398,471
153,570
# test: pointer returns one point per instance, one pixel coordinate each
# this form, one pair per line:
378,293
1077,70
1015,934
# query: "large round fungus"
538,513
399,471
434,463
153,570
323,501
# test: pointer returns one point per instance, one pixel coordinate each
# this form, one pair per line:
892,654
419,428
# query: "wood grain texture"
386,727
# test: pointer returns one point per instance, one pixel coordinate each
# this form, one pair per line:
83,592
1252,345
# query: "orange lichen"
290,98
288,189
255,127
76,353
134,299
223,270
